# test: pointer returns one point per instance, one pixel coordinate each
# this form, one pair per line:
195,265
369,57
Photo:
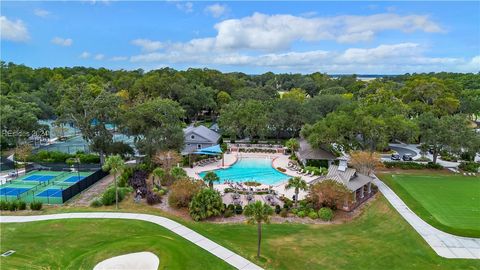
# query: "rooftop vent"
342,165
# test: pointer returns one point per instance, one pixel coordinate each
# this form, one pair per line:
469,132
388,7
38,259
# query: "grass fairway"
449,202
82,243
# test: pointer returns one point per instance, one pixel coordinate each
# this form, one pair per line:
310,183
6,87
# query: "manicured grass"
449,202
378,239
82,243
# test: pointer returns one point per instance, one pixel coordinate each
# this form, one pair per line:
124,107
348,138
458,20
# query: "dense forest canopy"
153,106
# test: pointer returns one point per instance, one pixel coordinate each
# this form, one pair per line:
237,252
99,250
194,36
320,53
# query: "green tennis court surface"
44,186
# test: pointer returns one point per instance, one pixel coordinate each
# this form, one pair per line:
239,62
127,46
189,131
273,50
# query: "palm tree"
159,173
299,184
293,145
115,165
211,177
258,212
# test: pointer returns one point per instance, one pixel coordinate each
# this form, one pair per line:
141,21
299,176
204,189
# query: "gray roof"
204,132
306,151
350,177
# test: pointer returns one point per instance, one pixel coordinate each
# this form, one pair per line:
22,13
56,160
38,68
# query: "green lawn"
82,243
449,202
378,239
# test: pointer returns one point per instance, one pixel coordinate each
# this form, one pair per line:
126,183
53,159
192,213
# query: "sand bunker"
132,261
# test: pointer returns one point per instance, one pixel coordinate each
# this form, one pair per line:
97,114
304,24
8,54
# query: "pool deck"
279,160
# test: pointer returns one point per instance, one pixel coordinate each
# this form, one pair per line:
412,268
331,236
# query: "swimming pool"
251,169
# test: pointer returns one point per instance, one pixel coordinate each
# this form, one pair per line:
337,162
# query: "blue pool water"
251,169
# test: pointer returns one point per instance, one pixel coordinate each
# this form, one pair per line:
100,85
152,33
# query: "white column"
355,196
361,192
369,187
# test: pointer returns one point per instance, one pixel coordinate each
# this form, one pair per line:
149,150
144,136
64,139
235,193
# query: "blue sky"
251,37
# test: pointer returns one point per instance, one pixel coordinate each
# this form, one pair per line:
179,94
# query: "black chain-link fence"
83,184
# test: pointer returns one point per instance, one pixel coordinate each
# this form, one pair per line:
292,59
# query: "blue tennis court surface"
50,193
41,178
12,191
74,179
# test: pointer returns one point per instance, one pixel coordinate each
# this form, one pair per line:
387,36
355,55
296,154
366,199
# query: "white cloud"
66,42
119,58
99,56
41,12
147,44
186,7
216,10
85,55
382,59
13,30
276,32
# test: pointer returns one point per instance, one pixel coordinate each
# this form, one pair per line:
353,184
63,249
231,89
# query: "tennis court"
51,192
44,186
40,178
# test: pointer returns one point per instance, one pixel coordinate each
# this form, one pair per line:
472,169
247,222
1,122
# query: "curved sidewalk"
444,244
224,254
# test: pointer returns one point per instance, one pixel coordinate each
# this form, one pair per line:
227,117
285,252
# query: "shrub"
4,205
13,206
231,207
126,174
108,197
469,166
21,205
88,158
206,203
313,215
36,205
467,156
167,180
284,213
411,165
287,203
325,214
96,203
238,209
178,172
162,192
294,211
431,165
153,198
301,214
277,209
138,181
228,213
182,192
316,170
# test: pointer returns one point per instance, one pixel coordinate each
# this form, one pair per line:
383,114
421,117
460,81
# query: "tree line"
154,106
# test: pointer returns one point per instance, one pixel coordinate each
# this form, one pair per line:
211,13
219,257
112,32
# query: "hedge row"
411,165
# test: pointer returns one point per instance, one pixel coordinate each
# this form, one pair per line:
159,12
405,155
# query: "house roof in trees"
203,132
306,151
349,177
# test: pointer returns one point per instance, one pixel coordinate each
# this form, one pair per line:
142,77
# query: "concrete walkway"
444,244
228,256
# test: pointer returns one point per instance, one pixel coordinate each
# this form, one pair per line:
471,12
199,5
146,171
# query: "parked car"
395,157
407,157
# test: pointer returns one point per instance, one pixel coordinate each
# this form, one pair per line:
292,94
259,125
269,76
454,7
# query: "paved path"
228,256
444,244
